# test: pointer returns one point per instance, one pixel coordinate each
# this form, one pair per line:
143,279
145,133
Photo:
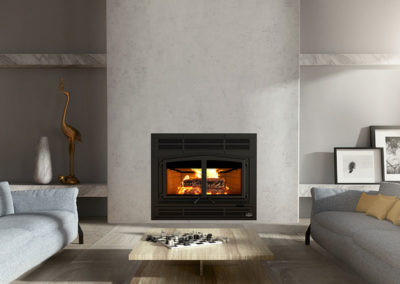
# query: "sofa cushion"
349,223
365,202
6,202
384,245
380,208
11,239
38,223
390,188
394,214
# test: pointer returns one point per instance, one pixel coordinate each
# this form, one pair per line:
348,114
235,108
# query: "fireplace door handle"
209,198
197,200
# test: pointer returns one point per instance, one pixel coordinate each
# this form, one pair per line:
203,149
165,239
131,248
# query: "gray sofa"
369,246
39,224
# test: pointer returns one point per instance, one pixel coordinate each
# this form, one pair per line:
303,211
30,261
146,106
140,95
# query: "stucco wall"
202,66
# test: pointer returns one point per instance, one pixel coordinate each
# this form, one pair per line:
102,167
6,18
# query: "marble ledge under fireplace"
349,59
305,189
85,189
38,60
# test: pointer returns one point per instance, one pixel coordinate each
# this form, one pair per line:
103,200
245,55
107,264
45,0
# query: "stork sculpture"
72,135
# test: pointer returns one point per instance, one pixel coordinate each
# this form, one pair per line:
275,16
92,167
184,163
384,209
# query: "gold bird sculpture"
73,135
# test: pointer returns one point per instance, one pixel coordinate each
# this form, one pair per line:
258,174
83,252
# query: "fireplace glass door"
222,177
184,177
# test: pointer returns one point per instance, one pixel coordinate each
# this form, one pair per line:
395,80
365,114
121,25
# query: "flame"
212,173
198,172
188,190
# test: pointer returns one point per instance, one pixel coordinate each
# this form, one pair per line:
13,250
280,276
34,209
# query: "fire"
215,183
198,172
212,173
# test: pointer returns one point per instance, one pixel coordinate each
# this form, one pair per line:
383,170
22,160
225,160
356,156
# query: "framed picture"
358,165
388,137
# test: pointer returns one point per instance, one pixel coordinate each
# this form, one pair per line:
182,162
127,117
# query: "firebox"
203,176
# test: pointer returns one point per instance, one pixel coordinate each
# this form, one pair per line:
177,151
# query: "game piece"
194,239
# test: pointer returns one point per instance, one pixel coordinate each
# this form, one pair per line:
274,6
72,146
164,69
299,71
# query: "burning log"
194,182
216,183
212,183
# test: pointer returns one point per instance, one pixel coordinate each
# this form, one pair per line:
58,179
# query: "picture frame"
388,137
358,165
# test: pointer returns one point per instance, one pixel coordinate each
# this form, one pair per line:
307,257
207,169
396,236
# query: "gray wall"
338,104
350,26
31,105
202,66
53,26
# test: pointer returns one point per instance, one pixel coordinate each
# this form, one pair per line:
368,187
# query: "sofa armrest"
27,201
335,199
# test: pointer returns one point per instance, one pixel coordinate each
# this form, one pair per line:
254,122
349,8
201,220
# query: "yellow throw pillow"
388,196
381,206
365,202
394,214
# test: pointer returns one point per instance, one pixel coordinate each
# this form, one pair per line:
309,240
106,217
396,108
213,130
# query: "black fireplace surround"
203,176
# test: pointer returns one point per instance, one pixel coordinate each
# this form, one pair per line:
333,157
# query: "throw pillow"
381,206
365,202
6,202
390,188
394,214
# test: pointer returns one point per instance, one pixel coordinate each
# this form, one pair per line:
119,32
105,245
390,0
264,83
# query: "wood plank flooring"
103,259
184,272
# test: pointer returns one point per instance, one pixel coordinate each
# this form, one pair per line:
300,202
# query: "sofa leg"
308,232
80,233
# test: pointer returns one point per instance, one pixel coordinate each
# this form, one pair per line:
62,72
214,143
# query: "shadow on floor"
296,263
91,265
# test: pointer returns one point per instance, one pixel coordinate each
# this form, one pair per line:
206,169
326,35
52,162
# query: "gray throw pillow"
390,188
6,202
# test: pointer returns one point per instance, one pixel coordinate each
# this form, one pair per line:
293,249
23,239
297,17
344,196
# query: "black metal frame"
372,130
179,147
373,144
357,148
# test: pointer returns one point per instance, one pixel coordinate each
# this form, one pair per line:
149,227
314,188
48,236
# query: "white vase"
43,172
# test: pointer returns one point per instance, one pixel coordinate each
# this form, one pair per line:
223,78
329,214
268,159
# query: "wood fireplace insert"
203,176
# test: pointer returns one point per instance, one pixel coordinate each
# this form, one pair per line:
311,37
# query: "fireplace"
203,176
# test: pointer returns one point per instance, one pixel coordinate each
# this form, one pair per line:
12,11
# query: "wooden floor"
104,259
184,272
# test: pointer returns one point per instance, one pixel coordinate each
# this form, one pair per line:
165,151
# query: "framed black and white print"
388,137
358,165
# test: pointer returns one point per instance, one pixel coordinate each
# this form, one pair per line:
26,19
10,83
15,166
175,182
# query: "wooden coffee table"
238,261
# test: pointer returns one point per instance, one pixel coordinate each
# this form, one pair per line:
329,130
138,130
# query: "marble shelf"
86,60
85,189
349,59
305,189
